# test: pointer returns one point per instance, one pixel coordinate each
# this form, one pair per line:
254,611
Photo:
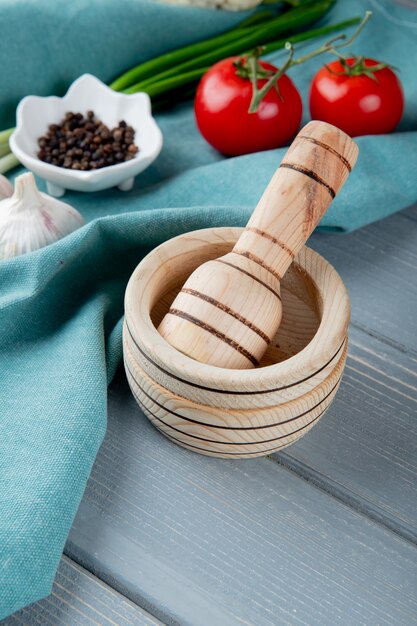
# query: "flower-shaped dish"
35,113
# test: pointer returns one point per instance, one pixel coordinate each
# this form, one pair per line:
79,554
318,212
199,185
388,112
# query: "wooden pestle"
230,308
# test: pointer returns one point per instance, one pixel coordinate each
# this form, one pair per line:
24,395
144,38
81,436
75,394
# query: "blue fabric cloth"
61,307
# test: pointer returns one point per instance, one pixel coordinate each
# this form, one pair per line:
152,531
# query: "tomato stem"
248,65
329,46
358,67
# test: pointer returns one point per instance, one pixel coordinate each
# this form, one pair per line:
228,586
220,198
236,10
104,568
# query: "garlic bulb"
6,187
31,219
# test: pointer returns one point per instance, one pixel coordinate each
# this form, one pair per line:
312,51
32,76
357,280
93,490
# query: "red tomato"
221,110
357,104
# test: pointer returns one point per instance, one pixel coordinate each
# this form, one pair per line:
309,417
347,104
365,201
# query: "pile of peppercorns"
85,143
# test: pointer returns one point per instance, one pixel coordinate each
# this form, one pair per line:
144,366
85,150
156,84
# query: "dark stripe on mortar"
228,443
229,391
188,419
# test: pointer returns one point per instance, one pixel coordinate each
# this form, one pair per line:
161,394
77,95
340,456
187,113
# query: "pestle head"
230,308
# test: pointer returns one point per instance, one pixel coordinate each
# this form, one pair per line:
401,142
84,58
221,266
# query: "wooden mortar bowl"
236,413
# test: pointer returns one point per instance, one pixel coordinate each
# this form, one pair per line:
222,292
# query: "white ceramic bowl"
35,113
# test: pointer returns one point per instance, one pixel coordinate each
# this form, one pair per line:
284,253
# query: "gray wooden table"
323,533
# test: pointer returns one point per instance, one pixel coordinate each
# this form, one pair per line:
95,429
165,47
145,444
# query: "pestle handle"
229,309
312,172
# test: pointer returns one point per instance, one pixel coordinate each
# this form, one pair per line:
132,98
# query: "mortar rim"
299,367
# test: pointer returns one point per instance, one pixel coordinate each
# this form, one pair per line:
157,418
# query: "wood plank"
364,450
379,266
80,599
197,540
410,213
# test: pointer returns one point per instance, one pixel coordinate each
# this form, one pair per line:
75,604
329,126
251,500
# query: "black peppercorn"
85,143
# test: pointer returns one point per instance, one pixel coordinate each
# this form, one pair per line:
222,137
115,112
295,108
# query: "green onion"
5,135
4,149
151,67
185,76
8,163
4,141
173,82
250,36
255,38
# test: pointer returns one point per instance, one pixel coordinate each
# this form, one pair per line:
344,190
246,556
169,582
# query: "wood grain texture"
80,599
313,170
201,541
366,454
266,419
366,451
378,264
241,433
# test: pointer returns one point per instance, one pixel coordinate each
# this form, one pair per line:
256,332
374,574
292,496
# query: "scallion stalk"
8,163
5,135
255,38
173,82
158,64
186,76
4,149
251,36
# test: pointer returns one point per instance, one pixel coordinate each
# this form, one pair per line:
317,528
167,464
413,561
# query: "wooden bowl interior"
301,302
